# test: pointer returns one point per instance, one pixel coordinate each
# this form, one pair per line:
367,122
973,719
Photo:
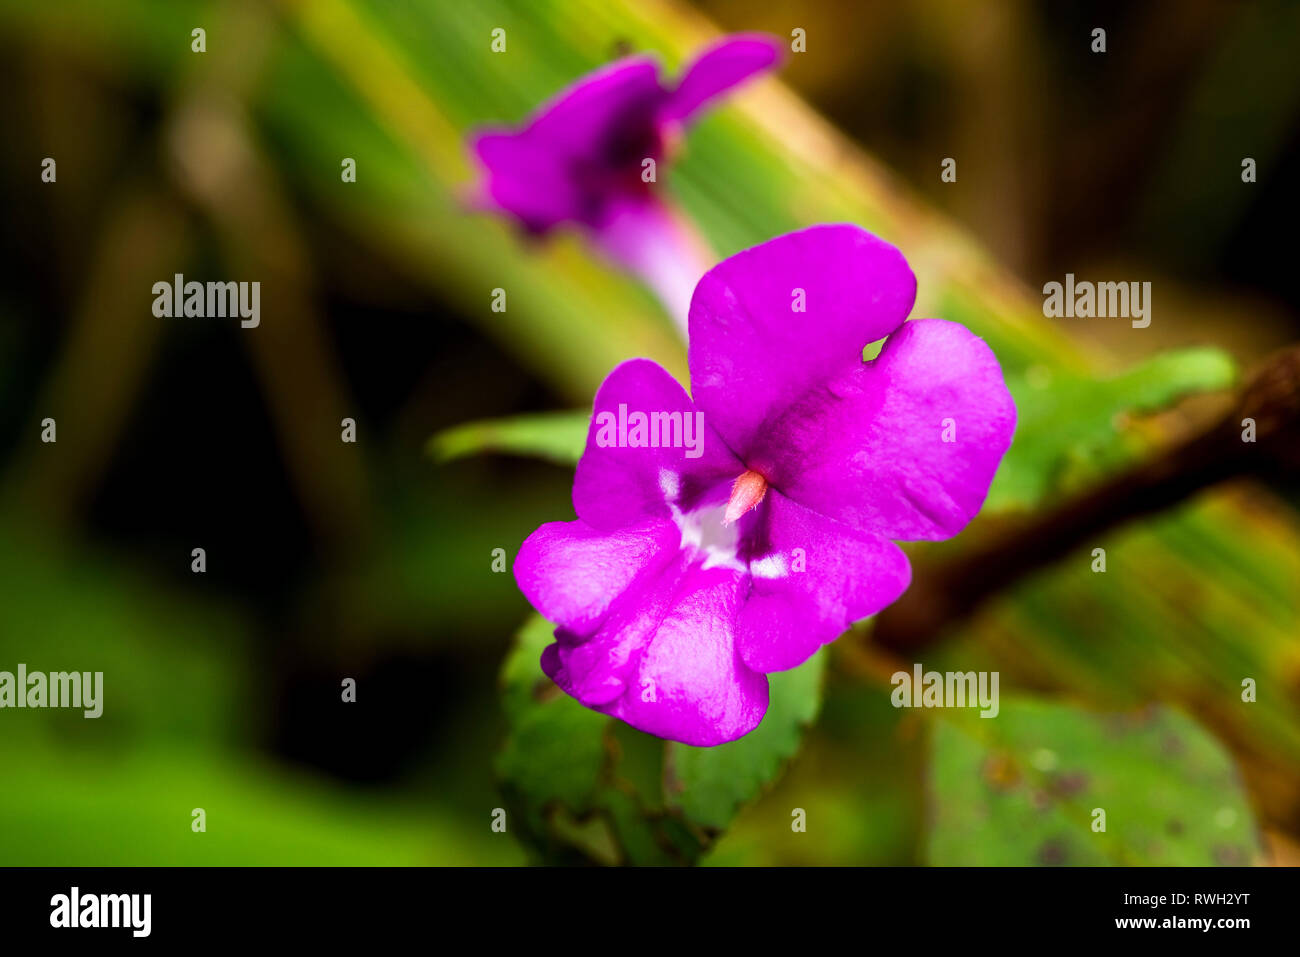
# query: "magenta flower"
582,159
725,538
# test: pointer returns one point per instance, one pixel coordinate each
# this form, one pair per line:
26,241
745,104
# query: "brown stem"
948,591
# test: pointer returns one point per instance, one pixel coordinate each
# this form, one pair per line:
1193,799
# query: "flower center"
745,494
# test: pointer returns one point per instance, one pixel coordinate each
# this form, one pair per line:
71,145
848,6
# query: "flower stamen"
745,494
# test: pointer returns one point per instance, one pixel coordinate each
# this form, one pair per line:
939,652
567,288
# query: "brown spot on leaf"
1068,783
1052,854
1230,855
1000,772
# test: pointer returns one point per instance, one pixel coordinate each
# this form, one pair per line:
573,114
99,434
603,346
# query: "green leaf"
1068,424
582,787
555,754
1022,788
710,784
648,836
557,437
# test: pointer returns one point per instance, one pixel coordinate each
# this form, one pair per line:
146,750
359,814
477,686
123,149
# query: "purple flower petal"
719,69
624,94
752,355
597,668
578,150
671,663
582,158
573,574
906,445
620,484
526,180
812,579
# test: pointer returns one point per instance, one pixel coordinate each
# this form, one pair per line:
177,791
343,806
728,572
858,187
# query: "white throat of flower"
704,531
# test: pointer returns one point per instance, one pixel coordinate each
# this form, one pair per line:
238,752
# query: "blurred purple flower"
703,559
580,159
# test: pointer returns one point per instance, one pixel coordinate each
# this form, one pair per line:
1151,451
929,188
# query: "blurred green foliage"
120,789
557,437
